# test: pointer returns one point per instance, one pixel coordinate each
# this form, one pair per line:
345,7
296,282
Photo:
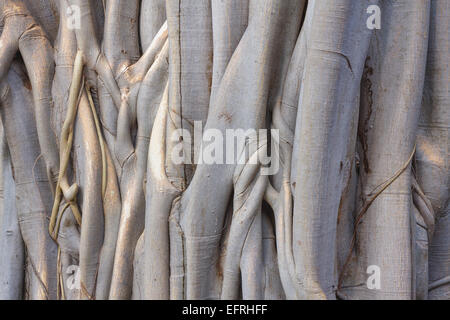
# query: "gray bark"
95,93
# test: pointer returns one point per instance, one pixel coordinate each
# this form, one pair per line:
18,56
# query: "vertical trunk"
327,108
134,169
387,133
433,143
240,104
229,21
12,255
152,17
33,194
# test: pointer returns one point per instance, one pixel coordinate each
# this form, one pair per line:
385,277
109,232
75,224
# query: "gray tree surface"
328,122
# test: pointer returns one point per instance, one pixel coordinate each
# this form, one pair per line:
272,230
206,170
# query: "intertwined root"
94,96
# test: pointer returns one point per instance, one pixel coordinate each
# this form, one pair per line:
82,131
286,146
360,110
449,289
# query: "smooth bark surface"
224,149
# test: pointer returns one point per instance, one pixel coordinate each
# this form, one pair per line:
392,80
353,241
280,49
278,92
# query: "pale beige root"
433,144
12,255
33,194
66,141
387,136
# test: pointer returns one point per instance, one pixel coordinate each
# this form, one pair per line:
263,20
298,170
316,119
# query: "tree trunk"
232,149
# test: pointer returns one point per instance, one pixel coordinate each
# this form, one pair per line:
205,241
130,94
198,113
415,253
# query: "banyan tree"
224,149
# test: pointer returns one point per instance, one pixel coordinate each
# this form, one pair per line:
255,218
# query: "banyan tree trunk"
224,149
